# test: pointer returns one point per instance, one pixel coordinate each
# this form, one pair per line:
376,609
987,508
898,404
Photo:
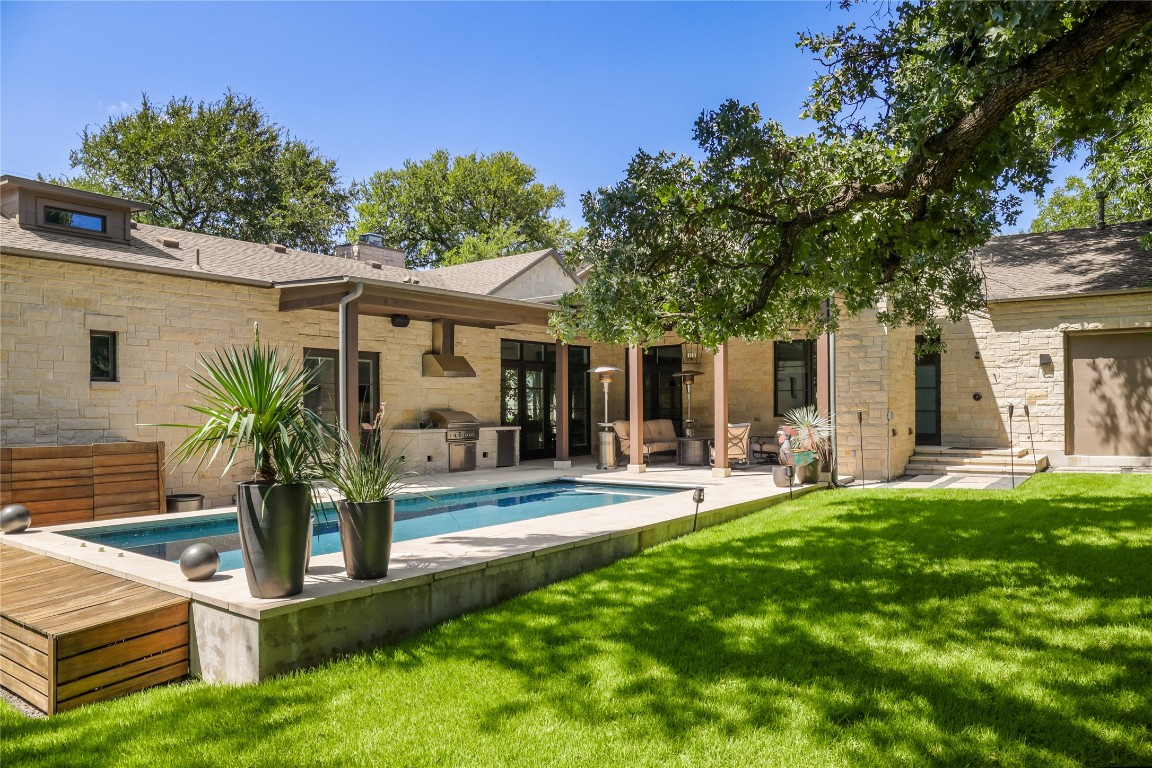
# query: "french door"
528,397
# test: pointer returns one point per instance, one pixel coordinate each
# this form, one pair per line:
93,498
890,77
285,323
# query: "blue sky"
574,89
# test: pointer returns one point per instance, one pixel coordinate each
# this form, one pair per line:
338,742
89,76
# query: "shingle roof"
482,276
1071,261
232,259
218,256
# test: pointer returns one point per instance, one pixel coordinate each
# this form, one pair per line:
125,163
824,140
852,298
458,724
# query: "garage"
1110,386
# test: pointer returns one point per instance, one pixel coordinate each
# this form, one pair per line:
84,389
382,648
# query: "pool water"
416,517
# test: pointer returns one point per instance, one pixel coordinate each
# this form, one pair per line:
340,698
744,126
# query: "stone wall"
164,323
875,375
996,354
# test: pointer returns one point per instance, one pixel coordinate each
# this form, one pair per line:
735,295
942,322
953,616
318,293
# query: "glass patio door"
528,397
927,398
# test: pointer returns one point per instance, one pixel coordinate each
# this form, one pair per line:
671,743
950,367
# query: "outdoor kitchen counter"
426,450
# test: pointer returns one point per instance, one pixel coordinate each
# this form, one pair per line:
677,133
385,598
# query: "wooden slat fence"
80,483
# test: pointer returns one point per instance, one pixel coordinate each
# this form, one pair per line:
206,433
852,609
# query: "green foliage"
851,628
1119,166
813,431
925,122
452,210
221,168
252,398
371,473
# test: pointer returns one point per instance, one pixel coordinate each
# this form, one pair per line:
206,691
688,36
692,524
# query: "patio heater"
608,436
687,378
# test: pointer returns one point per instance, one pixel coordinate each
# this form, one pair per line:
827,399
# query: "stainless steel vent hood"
442,361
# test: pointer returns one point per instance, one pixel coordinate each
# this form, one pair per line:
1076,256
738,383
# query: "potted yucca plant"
251,399
811,439
368,477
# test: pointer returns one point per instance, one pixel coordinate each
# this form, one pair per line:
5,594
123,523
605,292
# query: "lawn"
845,628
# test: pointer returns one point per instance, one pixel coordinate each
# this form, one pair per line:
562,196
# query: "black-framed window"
324,399
795,375
528,396
102,359
87,222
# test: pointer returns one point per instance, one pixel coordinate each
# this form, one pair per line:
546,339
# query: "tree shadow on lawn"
955,629
863,627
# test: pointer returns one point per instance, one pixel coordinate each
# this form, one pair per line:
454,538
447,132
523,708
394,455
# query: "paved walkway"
967,482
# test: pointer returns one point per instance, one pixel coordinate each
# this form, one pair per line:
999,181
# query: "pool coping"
413,560
237,638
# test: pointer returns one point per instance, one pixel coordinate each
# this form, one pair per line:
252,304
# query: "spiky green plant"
252,398
373,472
813,431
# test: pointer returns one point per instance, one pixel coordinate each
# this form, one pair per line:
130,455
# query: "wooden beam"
562,401
720,466
636,408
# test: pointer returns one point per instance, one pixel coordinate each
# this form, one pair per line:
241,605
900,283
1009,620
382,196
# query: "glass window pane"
926,422
926,376
534,352
509,350
103,357
795,375
86,221
926,399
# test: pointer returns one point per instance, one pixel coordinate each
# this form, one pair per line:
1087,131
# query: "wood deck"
70,635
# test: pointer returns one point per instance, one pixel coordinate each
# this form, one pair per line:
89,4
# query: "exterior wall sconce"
1045,360
693,353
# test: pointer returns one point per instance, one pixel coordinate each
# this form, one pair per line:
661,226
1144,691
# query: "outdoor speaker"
400,321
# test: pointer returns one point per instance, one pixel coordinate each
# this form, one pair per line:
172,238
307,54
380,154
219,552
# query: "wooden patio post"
720,466
563,417
636,408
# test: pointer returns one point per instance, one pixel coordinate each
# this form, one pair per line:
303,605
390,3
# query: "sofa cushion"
660,435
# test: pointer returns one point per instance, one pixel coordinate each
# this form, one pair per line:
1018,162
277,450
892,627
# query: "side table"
692,451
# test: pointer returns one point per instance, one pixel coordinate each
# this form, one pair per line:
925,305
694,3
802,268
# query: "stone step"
948,469
939,450
976,461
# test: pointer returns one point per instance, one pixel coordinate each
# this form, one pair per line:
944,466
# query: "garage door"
1111,385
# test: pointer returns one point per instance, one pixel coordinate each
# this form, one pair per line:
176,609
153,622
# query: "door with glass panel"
324,399
927,397
528,397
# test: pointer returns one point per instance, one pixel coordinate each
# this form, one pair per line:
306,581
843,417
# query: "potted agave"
811,439
251,399
368,477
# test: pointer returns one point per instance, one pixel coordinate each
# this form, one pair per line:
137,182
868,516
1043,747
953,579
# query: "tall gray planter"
274,525
366,536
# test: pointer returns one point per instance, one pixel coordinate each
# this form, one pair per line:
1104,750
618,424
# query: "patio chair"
766,450
622,429
737,446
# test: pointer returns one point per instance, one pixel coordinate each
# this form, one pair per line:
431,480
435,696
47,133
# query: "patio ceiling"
385,298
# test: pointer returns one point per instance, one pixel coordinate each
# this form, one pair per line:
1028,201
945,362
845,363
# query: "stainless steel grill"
462,433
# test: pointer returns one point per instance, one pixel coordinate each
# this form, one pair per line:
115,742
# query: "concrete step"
1023,466
939,450
976,461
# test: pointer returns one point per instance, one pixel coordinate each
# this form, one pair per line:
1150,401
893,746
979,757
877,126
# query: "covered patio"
353,297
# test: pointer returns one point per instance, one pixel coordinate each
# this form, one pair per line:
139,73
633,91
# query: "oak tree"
221,168
455,209
926,122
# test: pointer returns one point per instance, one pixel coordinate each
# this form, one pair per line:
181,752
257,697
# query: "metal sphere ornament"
15,518
199,562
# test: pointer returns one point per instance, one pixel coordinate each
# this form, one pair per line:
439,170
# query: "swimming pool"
416,517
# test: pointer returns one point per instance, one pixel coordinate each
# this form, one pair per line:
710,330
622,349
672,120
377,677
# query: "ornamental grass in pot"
368,477
811,439
251,399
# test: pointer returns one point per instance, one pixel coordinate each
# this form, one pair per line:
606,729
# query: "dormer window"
87,222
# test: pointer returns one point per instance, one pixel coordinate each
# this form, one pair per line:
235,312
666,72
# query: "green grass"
845,628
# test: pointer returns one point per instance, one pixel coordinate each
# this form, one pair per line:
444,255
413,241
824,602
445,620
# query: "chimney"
1100,197
370,248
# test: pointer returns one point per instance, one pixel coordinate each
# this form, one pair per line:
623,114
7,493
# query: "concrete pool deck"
237,638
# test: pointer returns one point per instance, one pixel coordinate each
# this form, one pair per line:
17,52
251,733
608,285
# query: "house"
102,318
